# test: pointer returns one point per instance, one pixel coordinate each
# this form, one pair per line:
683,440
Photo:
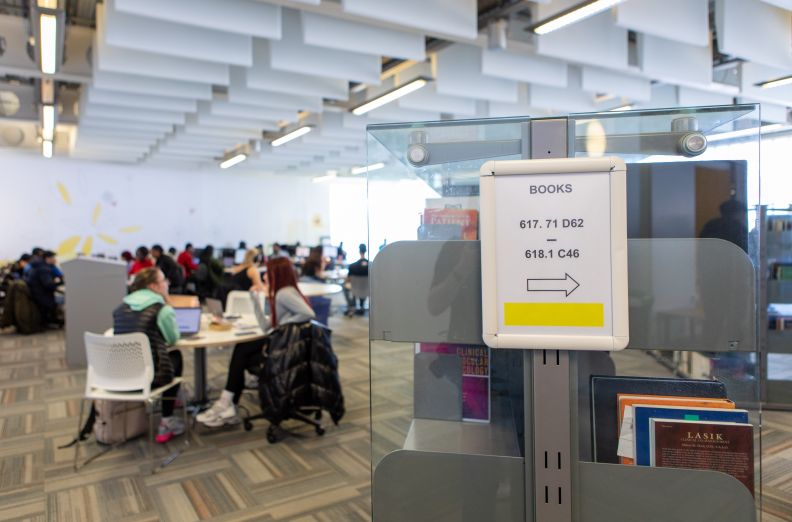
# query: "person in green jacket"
144,310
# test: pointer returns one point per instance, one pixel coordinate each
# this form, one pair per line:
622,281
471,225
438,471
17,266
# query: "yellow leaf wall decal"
64,193
87,246
96,212
108,239
130,230
68,247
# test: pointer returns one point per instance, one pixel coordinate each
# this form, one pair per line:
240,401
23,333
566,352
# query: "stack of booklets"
679,423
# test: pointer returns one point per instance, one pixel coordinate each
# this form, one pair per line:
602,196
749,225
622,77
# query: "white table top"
207,338
317,289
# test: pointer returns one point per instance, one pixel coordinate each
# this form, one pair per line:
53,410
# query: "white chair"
359,287
238,302
120,368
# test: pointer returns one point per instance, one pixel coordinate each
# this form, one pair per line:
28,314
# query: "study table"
207,338
311,289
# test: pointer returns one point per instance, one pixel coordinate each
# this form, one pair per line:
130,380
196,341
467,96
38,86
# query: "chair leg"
79,429
151,437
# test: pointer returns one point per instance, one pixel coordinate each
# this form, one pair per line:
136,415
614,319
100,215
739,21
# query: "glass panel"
778,304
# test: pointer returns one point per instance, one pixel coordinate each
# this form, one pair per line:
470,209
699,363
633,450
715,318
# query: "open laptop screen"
189,320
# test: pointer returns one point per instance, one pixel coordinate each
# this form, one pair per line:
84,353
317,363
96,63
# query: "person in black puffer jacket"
144,310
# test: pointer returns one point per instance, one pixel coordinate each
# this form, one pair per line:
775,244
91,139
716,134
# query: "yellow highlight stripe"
554,314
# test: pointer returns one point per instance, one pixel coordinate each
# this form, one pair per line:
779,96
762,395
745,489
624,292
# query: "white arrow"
566,284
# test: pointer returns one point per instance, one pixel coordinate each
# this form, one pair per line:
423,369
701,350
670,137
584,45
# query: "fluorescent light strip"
48,122
778,82
322,179
622,108
366,168
233,160
744,133
574,15
293,135
46,148
48,32
390,96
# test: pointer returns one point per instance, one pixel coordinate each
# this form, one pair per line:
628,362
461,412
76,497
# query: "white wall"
139,205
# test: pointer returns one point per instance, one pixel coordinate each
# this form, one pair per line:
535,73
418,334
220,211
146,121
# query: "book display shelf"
463,432
776,340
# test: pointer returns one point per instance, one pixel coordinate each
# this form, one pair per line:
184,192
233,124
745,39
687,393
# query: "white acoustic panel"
101,122
674,62
346,35
753,73
427,99
754,31
291,54
508,110
238,92
688,97
455,18
247,112
560,101
128,114
685,21
597,80
142,101
394,113
773,113
113,59
196,129
210,120
594,41
119,132
174,39
152,86
234,16
459,73
263,76
524,67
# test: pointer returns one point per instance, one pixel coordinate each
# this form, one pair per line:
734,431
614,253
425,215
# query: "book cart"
523,448
776,338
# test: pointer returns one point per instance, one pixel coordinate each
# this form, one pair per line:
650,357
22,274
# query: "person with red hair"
287,305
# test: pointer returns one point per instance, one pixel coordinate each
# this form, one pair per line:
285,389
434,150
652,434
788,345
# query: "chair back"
321,307
238,302
360,286
118,363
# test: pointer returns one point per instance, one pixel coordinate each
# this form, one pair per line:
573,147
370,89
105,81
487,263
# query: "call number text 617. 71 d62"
552,223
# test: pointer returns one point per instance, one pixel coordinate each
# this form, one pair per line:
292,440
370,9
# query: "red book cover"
467,219
718,446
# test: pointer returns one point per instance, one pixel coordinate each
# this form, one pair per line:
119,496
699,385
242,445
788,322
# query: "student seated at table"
144,310
142,260
245,276
288,305
174,273
314,266
209,275
43,278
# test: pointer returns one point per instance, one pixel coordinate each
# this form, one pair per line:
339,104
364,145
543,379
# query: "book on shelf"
692,444
778,224
642,415
461,223
625,405
475,377
604,390
781,271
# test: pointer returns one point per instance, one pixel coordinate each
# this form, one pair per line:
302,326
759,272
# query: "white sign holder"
554,254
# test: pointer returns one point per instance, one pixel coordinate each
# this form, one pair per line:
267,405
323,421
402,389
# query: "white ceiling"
184,82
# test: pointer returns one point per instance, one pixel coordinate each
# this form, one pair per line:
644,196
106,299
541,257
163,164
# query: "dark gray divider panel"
611,492
685,294
415,486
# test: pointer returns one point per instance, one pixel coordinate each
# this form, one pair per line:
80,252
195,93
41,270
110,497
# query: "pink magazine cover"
475,377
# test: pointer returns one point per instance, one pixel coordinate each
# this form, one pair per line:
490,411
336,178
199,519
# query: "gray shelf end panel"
608,492
420,486
685,294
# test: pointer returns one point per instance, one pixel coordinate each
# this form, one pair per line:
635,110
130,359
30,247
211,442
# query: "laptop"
259,312
214,307
188,320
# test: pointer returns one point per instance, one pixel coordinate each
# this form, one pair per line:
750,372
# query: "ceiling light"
48,25
293,135
573,14
626,107
389,96
778,82
744,133
366,168
48,122
233,160
331,175
46,149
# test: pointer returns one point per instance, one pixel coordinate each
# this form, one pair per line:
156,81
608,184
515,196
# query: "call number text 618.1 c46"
549,253
552,223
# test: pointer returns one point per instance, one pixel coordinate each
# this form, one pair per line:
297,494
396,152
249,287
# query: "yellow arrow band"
554,314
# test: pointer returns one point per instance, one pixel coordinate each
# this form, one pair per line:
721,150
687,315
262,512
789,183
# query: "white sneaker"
219,415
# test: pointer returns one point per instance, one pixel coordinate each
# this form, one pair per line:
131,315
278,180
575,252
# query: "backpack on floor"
112,416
